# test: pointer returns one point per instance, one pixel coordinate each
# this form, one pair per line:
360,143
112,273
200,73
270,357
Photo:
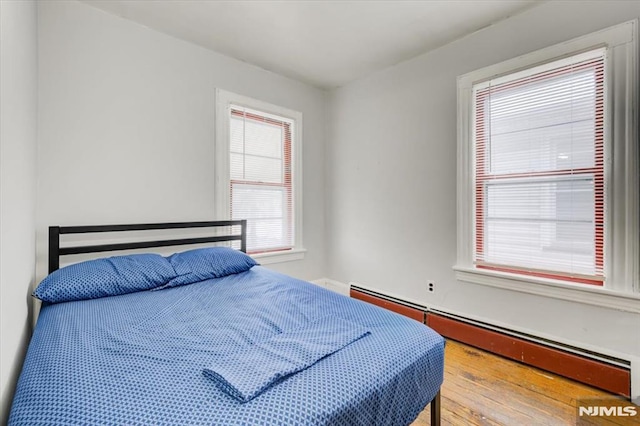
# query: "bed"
164,355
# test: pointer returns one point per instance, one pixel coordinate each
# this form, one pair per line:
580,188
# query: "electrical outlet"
431,286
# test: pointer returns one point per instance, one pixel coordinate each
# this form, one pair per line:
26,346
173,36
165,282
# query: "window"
257,152
539,161
261,187
548,169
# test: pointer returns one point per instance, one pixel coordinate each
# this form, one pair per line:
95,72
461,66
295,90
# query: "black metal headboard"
55,251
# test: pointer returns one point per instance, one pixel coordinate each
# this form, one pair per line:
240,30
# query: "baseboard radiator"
597,370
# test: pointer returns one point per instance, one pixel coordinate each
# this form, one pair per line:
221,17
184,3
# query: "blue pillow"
105,277
202,264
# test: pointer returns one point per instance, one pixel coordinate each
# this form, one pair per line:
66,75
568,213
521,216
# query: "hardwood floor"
485,389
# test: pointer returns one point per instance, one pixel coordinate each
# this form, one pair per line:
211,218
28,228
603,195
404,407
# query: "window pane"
548,125
266,211
237,166
549,102
562,147
261,169
237,134
256,138
263,234
263,139
253,202
528,244
541,224
257,148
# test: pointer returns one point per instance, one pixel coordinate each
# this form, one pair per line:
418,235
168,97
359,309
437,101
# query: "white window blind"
261,178
539,170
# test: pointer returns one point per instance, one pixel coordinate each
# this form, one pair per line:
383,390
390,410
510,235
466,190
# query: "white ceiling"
322,43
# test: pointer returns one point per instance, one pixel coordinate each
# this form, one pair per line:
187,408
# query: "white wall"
18,137
391,180
127,126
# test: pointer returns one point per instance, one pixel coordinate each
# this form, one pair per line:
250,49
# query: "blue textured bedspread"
138,359
246,373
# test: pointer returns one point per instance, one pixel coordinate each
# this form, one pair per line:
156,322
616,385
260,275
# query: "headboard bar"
54,248
55,251
144,244
144,226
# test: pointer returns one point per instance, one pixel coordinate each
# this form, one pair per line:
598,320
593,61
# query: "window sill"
589,295
278,257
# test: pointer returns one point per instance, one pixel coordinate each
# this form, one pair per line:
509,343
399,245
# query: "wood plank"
493,383
481,388
398,308
595,373
516,374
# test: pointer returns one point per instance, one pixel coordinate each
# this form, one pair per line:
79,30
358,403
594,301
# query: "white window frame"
224,100
622,241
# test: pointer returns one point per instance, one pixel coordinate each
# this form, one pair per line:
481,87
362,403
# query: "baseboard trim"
595,373
597,370
387,297
399,308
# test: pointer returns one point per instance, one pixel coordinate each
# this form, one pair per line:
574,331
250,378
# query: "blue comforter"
138,359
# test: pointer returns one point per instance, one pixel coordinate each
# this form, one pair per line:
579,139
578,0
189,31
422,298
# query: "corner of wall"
18,145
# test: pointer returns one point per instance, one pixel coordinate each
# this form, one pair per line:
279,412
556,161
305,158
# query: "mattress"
138,358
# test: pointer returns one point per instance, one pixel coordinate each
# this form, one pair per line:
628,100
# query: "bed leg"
435,410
